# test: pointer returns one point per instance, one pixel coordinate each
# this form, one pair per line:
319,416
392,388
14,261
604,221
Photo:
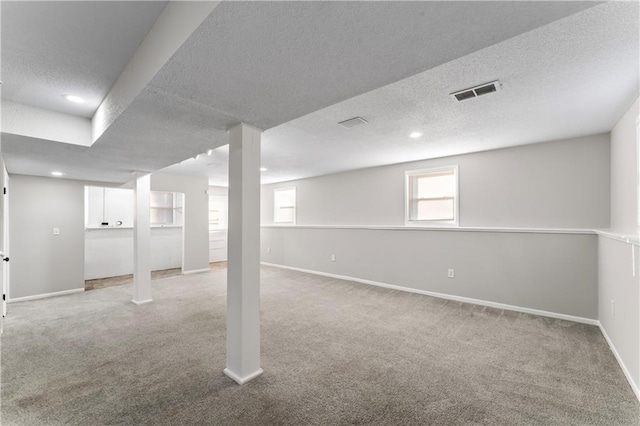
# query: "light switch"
56,231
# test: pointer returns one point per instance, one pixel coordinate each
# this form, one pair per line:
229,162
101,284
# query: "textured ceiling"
53,48
267,63
574,77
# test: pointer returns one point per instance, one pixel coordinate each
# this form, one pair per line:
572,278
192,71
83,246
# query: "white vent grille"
474,92
353,122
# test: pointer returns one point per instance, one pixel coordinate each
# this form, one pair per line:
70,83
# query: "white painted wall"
42,262
560,184
26,120
620,322
109,251
616,281
624,169
218,237
196,216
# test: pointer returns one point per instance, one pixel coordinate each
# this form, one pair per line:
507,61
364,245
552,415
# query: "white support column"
141,240
243,265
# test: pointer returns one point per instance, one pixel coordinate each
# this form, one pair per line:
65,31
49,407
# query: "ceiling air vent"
353,122
474,92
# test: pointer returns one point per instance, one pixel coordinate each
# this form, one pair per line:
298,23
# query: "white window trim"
408,196
295,208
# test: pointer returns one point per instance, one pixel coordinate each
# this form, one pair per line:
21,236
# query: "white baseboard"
141,302
242,380
633,384
45,295
195,271
446,296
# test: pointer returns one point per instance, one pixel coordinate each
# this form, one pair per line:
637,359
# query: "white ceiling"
52,48
297,68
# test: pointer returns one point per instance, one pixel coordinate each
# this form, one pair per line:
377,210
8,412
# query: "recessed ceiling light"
263,169
415,135
57,174
210,152
73,98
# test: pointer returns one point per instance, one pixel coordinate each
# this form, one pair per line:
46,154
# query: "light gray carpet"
334,352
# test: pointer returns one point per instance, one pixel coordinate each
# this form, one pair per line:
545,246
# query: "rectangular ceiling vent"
474,92
353,122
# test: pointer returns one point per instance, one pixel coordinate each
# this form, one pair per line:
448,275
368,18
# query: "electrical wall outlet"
333,257
56,231
451,273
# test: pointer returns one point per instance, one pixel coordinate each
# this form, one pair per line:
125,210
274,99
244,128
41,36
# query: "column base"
142,302
242,380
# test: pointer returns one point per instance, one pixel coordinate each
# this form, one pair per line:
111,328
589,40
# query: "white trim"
462,299
617,236
444,228
196,271
242,380
632,383
45,295
141,302
111,228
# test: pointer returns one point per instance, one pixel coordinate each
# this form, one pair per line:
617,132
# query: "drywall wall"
561,184
218,191
26,120
196,212
42,262
218,201
619,303
618,288
109,251
550,272
624,172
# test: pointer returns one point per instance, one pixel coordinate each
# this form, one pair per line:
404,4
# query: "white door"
217,228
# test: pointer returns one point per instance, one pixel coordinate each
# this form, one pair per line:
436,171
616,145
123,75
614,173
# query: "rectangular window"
284,203
432,196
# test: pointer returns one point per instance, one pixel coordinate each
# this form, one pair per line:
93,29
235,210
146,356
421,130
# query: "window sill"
430,224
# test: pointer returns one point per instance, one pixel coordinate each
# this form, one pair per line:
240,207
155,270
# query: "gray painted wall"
196,215
615,279
551,272
562,184
40,261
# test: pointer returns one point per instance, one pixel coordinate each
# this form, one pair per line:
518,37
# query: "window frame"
276,207
411,201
